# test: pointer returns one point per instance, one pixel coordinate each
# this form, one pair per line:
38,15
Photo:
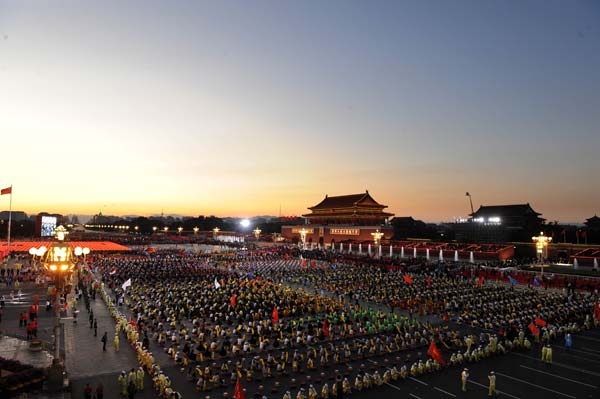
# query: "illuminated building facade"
342,219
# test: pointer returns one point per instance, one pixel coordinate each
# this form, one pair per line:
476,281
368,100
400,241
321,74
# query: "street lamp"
257,232
215,232
165,229
196,230
179,230
377,235
541,247
58,260
303,232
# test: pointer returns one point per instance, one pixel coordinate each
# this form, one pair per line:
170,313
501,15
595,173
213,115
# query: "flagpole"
9,221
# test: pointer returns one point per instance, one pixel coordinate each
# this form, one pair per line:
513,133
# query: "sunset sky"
236,108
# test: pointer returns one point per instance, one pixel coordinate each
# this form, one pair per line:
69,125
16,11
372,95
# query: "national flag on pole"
325,328
480,281
513,281
239,391
217,285
126,284
435,353
275,315
232,300
428,281
540,322
534,330
407,279
536,282
7,190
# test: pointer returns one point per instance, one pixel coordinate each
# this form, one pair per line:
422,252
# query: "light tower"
303,232
377,235
257,232
541,248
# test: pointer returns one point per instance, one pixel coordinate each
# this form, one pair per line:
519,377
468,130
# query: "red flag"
7,190
407,279
313,264
275,315
428,281
540,322
534,330
435,353
325,328
303,262
480,282
239,391
232,300
133,324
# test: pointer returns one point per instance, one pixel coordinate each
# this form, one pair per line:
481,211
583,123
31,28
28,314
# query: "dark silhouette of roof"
505,210
347,201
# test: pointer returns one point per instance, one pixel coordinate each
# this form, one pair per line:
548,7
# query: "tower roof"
347,201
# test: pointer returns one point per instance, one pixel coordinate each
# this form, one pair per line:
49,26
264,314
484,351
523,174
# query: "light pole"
377,235
59,261
303,232
215,232
196,230
154,228
541,248
257,232
179,230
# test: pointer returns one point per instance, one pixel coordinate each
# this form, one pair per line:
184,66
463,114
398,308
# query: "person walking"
104,339
95,327
492,387
116,342
99,391
87,391
464,377
131,390
123,384
139,380
568,341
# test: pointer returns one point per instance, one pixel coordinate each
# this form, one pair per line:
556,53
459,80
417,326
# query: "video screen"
48,226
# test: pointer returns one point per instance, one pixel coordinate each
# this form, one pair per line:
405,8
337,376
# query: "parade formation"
282,324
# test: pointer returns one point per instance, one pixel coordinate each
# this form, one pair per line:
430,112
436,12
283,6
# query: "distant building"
592,235
593,223
408,227
500,223
344,218
17,216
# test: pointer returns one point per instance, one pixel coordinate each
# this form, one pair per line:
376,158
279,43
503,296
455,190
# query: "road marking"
393,386
535,385
566,353
446,392
419,381
497,391
560,365
588,338
585,350
558,376
415,396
